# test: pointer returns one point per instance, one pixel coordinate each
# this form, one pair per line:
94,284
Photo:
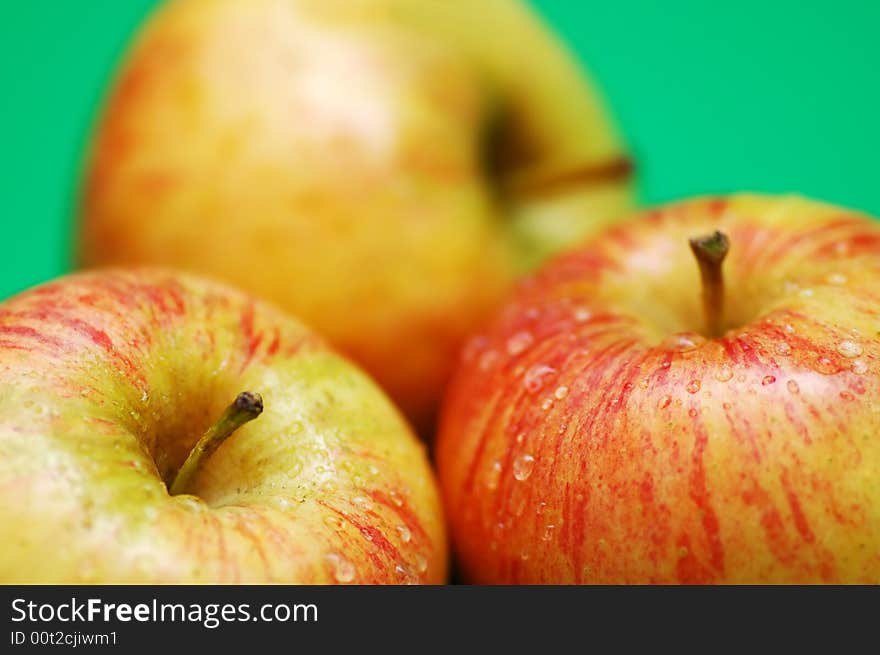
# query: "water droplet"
684,342
806,293
582,314
726,406
524,555
847,396
693,386
488,359
494,475
343,570
836,279
520,437
519,342
547,404
825,366
523,466
405,534
541,507
788,328
561,392
396,499
768,379
783,348
849,348
536,377
860,367
793,387
548,532
665,401
692,412
724,374
363,502
421,563
666,364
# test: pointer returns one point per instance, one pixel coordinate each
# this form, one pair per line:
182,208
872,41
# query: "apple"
360,163
614,424
162,428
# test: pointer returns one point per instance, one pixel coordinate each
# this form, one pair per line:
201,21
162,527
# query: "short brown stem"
246,407
710,251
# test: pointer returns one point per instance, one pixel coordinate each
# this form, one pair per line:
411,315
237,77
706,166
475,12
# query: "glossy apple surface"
106,382
593,435
366,160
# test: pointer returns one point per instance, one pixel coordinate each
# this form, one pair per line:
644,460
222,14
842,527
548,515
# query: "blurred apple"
381,168
107,382
610,429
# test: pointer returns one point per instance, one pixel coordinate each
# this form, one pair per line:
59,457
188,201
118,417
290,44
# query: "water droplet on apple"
783,348
724,374
405,534
692,412
396,499
825,366
520,437
488,359
806,293
665,401
547,404
343,570
666,364
536,377
548,532
494,475
860,367
524,555
793,387
582,314
788,328
519,342
768,379
693,386
541,507
523,466
849,348
421,563
561,392
847,396
363,502
836,279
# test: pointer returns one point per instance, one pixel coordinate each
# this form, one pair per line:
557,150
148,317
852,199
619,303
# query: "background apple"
595,435
107,380
363,164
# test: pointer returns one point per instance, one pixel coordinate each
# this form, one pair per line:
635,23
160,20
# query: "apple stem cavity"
245,408
710,251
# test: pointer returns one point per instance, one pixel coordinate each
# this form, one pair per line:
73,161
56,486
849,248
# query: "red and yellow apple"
359,162
108,381
603,431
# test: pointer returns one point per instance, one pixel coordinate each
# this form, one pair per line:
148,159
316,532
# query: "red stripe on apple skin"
404,512
701,496
373,544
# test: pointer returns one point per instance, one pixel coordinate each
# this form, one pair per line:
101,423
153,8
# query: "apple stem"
246,407
710,251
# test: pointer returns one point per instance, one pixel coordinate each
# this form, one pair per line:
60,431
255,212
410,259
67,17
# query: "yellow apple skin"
108,379
592,435
381,168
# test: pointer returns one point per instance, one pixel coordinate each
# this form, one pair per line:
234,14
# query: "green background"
764,95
